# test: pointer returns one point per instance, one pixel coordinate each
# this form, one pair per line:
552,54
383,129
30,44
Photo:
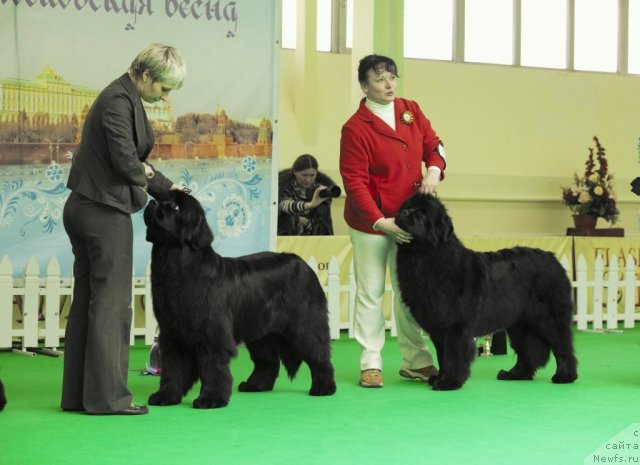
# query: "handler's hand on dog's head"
178,187
389,227
430,181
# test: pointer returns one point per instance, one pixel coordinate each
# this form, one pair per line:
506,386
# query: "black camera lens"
331,191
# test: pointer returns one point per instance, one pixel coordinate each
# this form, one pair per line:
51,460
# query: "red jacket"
379,166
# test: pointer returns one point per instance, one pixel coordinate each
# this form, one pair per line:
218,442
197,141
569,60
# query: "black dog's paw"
246,386
564,378
444,384
209,402
504,375
163,399
432,379
324,389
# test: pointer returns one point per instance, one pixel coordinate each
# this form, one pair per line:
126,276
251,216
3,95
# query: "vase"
585,221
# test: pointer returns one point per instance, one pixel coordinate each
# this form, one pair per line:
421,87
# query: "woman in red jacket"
382,148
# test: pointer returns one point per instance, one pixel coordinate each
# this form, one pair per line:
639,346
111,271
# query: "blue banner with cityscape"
214,135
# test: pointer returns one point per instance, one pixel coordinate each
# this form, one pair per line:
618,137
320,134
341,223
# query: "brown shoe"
371,378
423,374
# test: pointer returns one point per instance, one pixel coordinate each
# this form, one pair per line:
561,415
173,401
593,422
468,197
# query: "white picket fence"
41,298
619,285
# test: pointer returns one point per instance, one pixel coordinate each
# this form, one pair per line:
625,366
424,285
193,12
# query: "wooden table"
596,232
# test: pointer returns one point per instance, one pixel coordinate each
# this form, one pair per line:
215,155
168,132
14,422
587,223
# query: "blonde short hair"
164,63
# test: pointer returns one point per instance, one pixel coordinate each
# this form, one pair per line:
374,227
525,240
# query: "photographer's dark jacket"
320,223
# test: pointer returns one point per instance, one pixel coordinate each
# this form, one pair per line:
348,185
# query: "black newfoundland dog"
456,294
206,304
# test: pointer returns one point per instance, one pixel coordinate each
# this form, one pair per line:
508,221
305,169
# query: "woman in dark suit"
109,180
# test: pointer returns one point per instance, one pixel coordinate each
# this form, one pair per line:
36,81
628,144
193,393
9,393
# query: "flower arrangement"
592,194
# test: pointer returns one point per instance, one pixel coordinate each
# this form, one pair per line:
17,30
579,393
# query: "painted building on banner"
41,122
48,98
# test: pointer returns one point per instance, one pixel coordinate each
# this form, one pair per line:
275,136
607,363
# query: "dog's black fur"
206,304
456,294
3,398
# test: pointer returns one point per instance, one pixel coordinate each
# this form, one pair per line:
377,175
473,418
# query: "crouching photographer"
304,199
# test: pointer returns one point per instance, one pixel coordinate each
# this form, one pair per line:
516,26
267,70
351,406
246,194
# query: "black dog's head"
426,219
177,218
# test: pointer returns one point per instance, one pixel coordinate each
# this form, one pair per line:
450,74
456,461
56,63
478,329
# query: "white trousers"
371,255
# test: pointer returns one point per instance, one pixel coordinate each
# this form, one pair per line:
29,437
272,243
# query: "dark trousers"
96,346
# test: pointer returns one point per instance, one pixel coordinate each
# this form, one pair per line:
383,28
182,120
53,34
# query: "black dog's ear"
432,233
196,238
446,227
438,227
195,231
201,235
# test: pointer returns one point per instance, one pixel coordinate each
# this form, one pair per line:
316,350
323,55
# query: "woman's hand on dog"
178,187
389,227
429,183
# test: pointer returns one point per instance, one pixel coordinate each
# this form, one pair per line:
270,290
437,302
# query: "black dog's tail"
290,357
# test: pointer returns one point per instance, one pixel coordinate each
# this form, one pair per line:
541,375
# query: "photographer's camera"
331,191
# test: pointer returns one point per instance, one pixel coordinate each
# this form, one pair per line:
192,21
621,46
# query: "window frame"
340,32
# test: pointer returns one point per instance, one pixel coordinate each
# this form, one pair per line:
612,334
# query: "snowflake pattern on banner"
239,188
39,200
233,193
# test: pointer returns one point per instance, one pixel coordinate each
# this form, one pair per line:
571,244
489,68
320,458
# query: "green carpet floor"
486,422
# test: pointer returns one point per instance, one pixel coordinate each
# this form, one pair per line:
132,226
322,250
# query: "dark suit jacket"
116,139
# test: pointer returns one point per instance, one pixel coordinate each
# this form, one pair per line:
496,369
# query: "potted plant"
591,196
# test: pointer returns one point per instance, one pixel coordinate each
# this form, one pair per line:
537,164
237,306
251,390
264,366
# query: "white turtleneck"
384,111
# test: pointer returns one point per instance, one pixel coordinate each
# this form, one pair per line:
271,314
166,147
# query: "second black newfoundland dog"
206,304
456,294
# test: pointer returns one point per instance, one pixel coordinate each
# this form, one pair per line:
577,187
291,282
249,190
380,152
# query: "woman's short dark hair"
377,63
303,162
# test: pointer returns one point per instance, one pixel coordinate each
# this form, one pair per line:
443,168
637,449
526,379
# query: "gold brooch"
406,117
